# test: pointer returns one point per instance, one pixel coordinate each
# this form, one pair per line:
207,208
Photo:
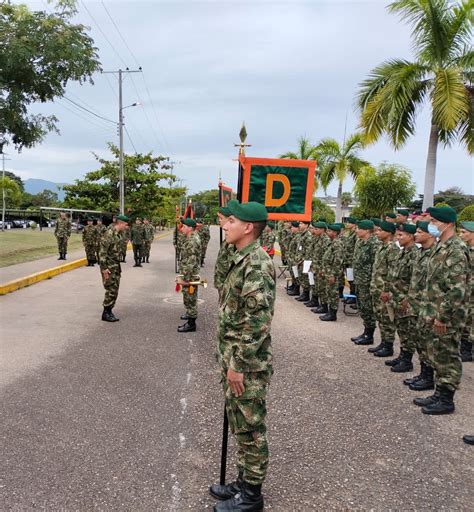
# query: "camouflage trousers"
386,326
296,280
331,294
443,352
283,255
405,326
422,336
247,421
137,251
304,279
190,301
123,249
366,308
62,244
111,288
320,288
91,254
146,248
203,251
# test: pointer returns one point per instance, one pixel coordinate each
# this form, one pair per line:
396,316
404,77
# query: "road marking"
178,300
184,406
188,377
182,440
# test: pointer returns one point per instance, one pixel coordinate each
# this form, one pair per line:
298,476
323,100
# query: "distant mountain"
33,186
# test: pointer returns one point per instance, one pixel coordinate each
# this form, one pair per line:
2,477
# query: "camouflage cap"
443,213
389,227
249,212
365,224
468,225
189,222
391,215
407,228
423,225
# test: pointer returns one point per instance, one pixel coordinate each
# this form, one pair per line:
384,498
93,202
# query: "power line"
84,118
89,111
130,139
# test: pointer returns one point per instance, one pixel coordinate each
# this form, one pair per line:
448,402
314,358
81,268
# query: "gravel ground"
128,416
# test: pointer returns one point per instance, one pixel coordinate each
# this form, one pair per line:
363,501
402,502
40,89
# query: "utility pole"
120,73
3,190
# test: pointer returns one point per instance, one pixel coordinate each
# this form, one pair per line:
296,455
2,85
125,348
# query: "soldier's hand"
439,328
105,274
236,382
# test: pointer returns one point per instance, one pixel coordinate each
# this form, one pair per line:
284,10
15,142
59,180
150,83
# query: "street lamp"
121,174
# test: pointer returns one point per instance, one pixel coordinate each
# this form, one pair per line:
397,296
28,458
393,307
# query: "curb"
23,282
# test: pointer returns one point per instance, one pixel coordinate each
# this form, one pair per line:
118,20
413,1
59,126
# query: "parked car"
77,227
8,224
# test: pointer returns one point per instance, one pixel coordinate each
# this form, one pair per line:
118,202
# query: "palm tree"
306,151
441,75
337,162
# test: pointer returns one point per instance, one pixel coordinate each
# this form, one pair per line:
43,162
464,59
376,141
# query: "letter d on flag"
285,187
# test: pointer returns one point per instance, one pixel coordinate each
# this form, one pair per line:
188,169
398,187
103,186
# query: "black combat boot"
313,303
368,338
295,291
249,499
422,402
405,364
377,348
386,350
466,351
136,262
189,326
108,316
426,381
355,338
394,362
64,255
227,491
330,316
444,405
412,380
341,292
148,259
468,439
184,317
60,256
304,297
321,310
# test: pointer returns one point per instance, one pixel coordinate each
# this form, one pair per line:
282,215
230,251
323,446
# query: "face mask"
434,231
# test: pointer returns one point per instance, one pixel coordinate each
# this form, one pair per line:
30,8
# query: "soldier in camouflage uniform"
245,355
205,235
302,253
190,264
294,289
397,297
332,264
313,302
350,238
100,229
415,294
320,244
267,239
62,232
284,235
364,256
137,238
149,232
444,309
125,236
89,241
110,265
226,251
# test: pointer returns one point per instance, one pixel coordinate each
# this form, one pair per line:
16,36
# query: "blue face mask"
434,231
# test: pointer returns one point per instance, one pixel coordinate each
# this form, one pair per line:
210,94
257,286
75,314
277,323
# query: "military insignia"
251,302
255,260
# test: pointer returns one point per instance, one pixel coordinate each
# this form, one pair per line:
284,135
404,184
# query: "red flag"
189,212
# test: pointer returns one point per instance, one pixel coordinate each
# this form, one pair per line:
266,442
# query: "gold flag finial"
243,133
243,138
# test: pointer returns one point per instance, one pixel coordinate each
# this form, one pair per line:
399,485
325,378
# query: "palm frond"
328,173
290,154
450,99
460,28
466,127
355,142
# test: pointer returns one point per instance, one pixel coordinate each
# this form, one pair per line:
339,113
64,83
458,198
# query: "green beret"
365,224
322,219
468,225
389,227
404,212
89,219
391,215
224,210
334,227
443,213
123,218
271,224
295,224
351,220
376,221
320,224
423,225
341,224
408,228
189,222
249,212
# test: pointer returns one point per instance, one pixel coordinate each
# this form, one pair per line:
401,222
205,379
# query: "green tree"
467,213
15,178
12,192
337,162
305,151
441,75
45,198
39,54
206,203
383,189
455,197
322,211
147,186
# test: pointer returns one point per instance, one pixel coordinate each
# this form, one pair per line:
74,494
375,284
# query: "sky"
286,68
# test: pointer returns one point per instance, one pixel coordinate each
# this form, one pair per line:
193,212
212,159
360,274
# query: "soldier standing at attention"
364,257
284,234
205,235
402,216
62,232
444,309
226,251
320,245
149,233
190,265
313,302
397,296
294,289
100,229
391,217
245,355
137,237
125,236
303,252
267,239
89,240
349,238
110,265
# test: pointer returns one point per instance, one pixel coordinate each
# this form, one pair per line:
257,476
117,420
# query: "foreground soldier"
89,240
62,232
444,309
190,264
137,238
149,236
110,265
245,355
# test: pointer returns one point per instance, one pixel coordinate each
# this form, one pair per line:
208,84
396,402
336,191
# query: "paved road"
126,416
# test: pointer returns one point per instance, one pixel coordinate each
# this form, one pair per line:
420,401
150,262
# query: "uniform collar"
240,255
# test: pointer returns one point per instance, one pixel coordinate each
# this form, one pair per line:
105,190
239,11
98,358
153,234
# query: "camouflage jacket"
385,258
224,258
137,234
205,234
364,256
349,238
125,235
400,276
89,235
246,310
149,232
447,281
418,280
267,240
320,244
303,246
284,236
190,256
109,252
332,263
100,229
62,228
291,247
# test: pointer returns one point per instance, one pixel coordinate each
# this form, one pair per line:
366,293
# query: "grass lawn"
20,245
